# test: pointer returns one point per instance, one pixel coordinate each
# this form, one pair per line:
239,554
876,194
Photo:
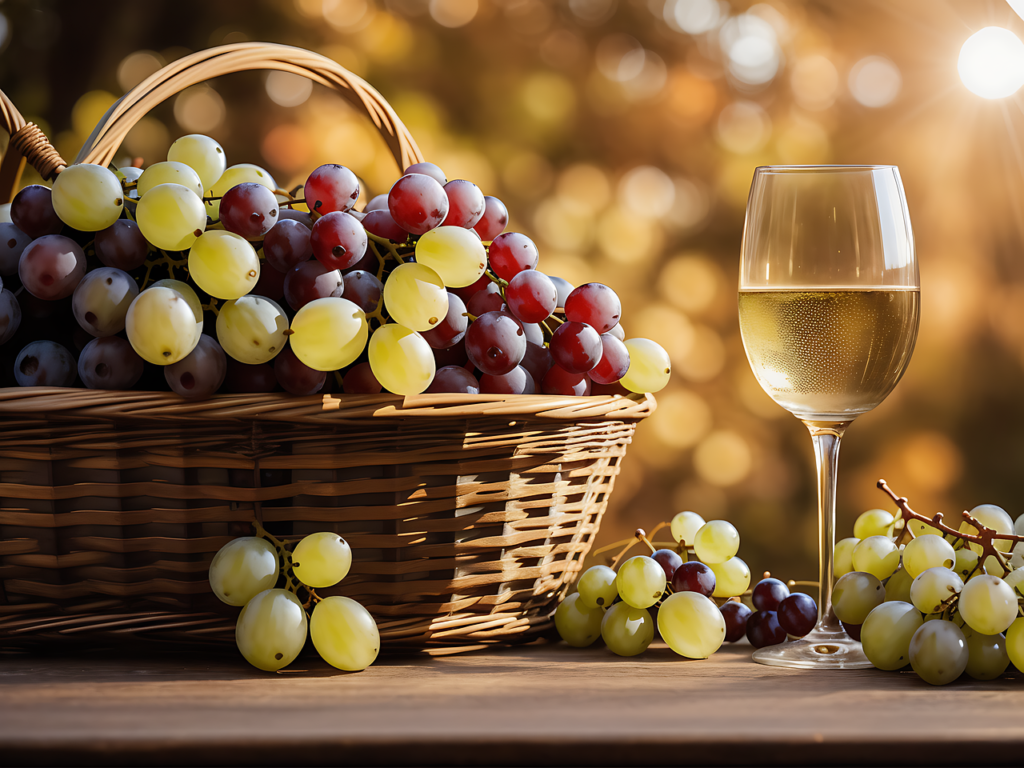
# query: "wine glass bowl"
829,305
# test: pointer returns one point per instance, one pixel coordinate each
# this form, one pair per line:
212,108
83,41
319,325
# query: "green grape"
161,326
897,588
649,366
842,556
401,359
344,633
321,560
252,329
170,217
627,631
1015,643
224,264
5,213
855,595
641,581
876,555
202,154
988,605
578,625
232,177
685,526
87,197
966,563
986,655
716,542
597,587
928,551
101,300
938,652
1015,580
329,333
242,569
933,588
1018,525
190,297
992,517
922,529
994,567
169,173
1017,556
731,577
886,634
415,297
691,624
874,522
456,254
271,629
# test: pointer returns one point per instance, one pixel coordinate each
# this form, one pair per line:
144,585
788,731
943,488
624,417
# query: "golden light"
199,109
287,89
723,458
453,13
875,81
991,63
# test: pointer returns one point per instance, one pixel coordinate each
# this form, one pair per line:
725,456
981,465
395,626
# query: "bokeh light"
875,81
287,89
199,109
991,63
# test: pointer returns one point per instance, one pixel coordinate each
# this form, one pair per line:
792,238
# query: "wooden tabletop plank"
536,705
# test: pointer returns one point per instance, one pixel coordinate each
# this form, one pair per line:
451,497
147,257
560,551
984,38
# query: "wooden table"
550,705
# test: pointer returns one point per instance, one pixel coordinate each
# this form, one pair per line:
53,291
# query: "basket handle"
195,68
28,144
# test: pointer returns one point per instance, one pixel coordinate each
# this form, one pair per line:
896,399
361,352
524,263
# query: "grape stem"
284,554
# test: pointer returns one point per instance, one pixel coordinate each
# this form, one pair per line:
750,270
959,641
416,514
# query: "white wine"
829,354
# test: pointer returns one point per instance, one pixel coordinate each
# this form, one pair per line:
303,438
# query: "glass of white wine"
829,303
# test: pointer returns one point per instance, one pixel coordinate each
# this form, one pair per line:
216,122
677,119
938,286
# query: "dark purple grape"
52,267
558,381
454,379
10,315
694,576
853,630
339,240
669,562
465,204
763,629
576,347
735,615
453,355
287,245
359,380
537,360
363,289
249,210
296,377
382,224
302,217
270,284
486,300
495,343
12,243
518,381
242,378
768,593
32,212
45,364
109,363
449,331
122,246
331,188
311,280
470,290
200,373
798,614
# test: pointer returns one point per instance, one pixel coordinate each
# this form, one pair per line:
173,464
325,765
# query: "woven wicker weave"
468,515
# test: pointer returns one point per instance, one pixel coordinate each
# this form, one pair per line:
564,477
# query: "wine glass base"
819,650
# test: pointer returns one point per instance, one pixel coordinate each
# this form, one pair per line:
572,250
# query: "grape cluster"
913,591
272,627
421,291
696,600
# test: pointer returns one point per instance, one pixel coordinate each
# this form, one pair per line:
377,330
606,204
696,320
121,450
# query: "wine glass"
829,303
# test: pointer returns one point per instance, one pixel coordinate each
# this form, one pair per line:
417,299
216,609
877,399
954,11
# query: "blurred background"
622,135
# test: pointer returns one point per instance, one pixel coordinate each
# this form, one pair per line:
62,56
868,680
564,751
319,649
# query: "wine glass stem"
826,438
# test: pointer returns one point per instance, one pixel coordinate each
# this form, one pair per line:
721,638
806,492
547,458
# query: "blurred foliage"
622,134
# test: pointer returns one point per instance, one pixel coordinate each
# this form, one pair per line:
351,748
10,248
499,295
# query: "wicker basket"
468,515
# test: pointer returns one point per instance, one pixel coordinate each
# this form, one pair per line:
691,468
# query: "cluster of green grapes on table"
915,591
272,628
418,290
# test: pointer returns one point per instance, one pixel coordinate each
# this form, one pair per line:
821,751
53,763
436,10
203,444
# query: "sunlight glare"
991,63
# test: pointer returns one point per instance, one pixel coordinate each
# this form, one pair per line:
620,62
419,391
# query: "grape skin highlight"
321,560
691,624
578,625
242,569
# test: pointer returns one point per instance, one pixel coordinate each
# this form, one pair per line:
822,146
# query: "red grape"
270,284
242,378
465,204
798,614
12,242
287,245
558,381
249,210
302,217
495,342
359,380
594,304
768,593
45,364
200,373
669,562
511,253
453,355
295,377
10,315
51,267
452,329
122,246
564,288
576,347
615,388
428,169
311,280
109,363
331,188
853,630
368,263
454,379
417,203
338,240
763,629
518,381
694,577
735,615
494,220
614,361
32,212
382,224
531,296
470,290
363,289
487,300
379,203
537,361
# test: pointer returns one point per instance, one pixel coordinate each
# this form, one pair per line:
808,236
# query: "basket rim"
62,403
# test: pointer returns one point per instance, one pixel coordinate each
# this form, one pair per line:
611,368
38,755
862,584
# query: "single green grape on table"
886,633
344,633
321,560
271,629
986,655
938,652
597,588
627,631
577,624
243,568
641,581
691,624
